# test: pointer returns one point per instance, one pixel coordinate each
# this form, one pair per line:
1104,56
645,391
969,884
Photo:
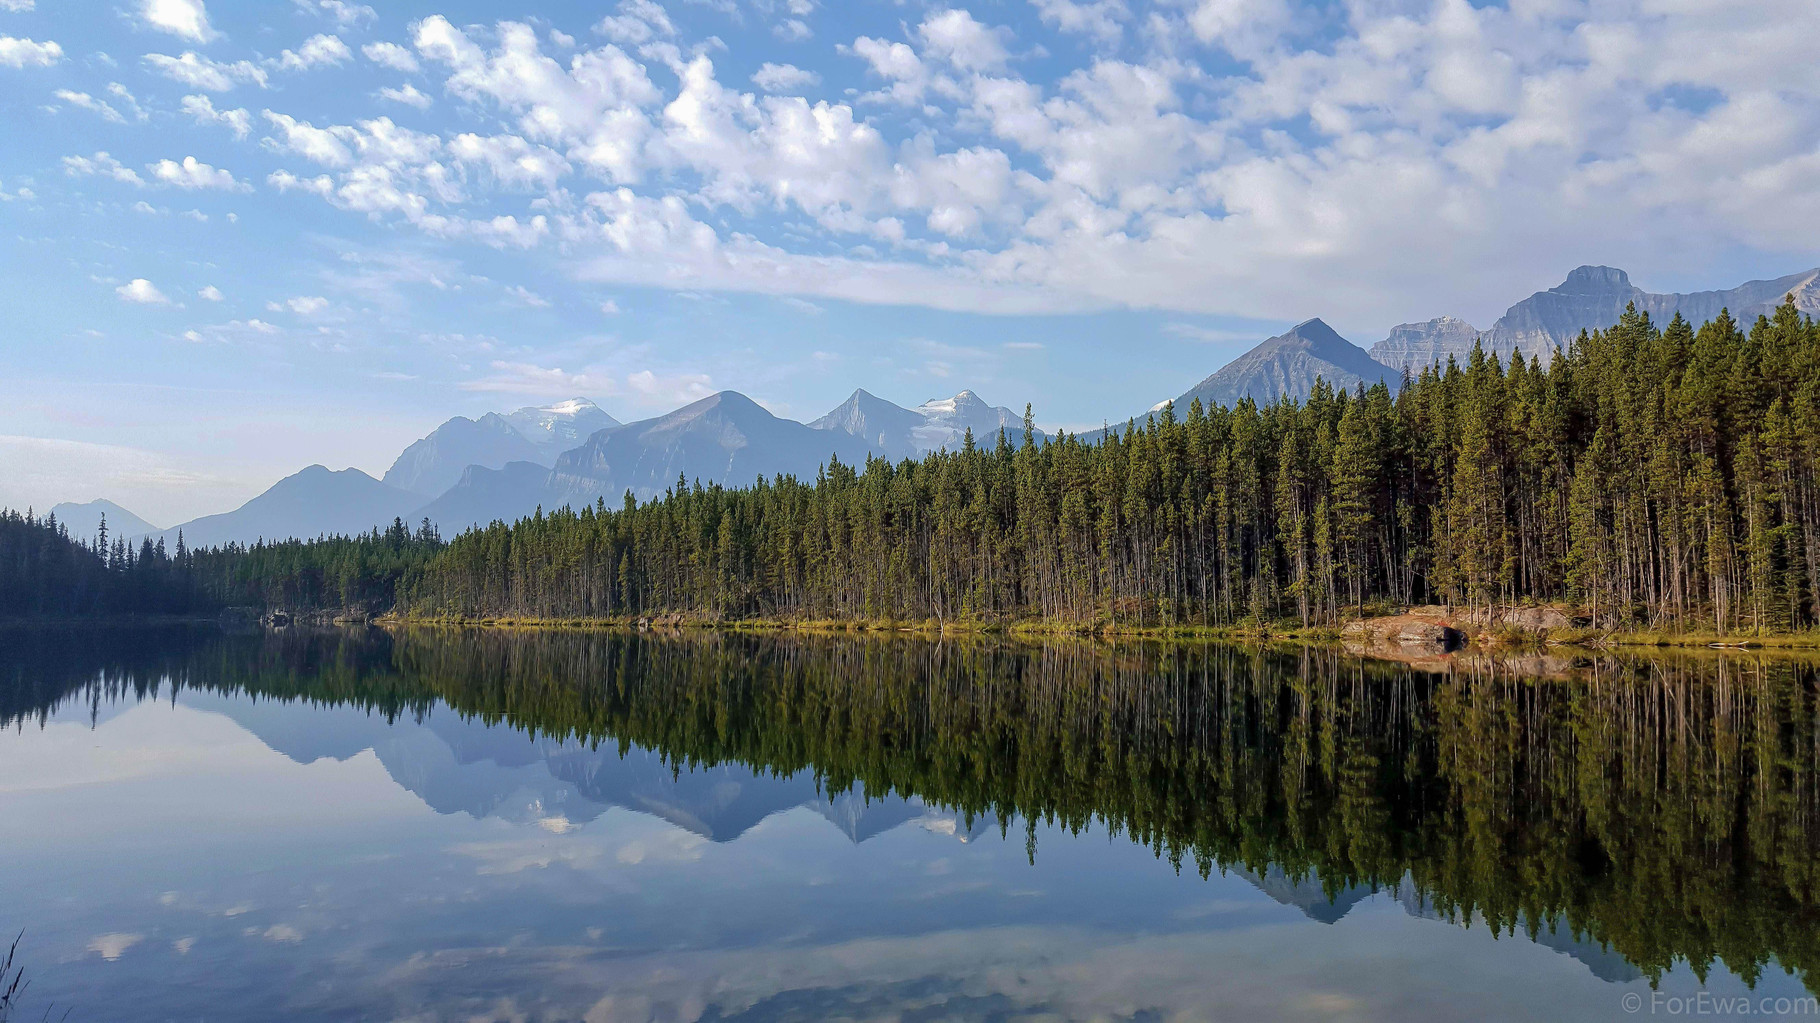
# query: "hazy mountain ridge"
1290,363
84,520
532,434
725,438
306,504
892,431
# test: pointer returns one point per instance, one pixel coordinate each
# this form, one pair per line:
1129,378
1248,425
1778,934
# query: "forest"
47,573
1649,476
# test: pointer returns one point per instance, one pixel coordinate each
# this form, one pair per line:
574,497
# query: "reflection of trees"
1666,807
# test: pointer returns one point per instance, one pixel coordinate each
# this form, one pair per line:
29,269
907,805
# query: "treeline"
1654,476
45,572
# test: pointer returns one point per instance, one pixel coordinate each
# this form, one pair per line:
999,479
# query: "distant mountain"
82,520
1417,346
1594,297
724,438
482,495
1289,364
559,427
947,420
533,434
304,505
887,428
435,463
895,432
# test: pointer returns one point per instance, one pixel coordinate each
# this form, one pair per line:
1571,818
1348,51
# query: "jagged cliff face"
1594,297
1416,346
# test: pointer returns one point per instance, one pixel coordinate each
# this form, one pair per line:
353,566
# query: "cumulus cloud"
1151,172
101,165
406,94
23,53
784,77
210,293
186,18
321,50
344,15
142,292
199,72
390,55
202,109
87,102
192,174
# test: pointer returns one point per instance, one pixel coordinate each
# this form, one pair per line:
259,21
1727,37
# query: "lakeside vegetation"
1662,481
1668,810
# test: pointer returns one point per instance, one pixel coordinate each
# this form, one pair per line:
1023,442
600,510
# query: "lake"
552,825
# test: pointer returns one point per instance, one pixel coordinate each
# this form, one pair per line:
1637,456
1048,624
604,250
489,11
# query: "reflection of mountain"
1306,894
463,765
1604,963
1310,896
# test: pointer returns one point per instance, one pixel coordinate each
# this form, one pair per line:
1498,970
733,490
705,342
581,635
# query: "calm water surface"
553,826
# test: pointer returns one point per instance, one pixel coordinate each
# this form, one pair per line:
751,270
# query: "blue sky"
241,238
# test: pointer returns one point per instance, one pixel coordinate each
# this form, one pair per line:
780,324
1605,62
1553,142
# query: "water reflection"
1652,819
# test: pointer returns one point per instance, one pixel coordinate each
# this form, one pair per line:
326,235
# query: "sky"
243,238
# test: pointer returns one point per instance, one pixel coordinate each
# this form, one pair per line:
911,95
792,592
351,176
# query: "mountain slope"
1289,364
1420,345
887,428
482,495
435,463
724,438
1594,297
559,427
304,505
83,519
895,432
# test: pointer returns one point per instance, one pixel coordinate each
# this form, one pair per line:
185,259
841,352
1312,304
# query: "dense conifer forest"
45,572
1651,476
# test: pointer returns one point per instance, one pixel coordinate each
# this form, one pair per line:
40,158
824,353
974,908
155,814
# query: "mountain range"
502,466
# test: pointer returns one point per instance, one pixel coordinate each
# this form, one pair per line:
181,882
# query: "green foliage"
1661,478
44,572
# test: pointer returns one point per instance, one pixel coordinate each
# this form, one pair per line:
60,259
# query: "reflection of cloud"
282,932
515,856
112,946
663,847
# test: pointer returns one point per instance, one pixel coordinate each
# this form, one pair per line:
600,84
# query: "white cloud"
203,110
638,21
390,55
22,53
784,77
406,94
317,51
186,18
102,165
1102,19
17,6
87,102
344,15
194,174
141,291
956,37
527,296
199,72
302,305
210,293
